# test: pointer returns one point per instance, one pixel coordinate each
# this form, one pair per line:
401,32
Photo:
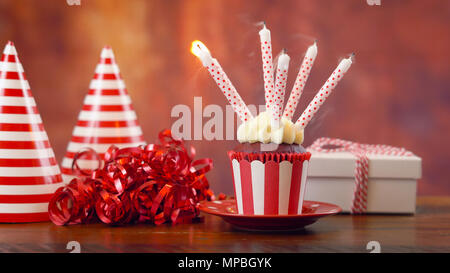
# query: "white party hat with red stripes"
107,117
29,173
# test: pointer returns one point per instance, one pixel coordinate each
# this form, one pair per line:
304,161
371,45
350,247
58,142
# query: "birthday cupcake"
269,165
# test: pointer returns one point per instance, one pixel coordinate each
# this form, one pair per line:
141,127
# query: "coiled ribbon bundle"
156,183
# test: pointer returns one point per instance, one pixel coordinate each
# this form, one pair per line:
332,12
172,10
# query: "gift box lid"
342,164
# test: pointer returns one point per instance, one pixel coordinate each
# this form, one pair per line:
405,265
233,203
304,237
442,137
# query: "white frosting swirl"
259,129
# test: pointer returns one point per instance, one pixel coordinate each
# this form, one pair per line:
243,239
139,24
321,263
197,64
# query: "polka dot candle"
222,80
324,92
267,63
300,81
280,86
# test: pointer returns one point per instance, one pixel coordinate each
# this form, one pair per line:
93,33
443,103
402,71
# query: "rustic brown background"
396,93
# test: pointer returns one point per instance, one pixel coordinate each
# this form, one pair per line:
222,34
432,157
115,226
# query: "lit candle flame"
201,51
198,48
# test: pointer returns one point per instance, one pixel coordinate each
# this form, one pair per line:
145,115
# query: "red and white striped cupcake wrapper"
29,172
107,117
269,183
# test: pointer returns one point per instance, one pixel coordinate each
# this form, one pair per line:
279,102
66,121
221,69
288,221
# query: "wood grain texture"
396,93
427,231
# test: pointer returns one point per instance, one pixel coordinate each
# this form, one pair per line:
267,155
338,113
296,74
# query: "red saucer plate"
312,211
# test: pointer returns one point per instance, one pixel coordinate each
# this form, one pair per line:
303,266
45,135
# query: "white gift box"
391,187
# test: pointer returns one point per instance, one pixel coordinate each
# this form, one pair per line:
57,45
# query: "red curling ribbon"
71,204
156,183
86,152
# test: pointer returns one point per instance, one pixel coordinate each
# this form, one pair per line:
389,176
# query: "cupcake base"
271,183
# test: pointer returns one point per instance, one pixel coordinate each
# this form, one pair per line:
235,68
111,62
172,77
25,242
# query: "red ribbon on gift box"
332,145
156,183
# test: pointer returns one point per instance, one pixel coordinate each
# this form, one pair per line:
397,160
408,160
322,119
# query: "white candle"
267,63
324,92
280,86
222,80
300,81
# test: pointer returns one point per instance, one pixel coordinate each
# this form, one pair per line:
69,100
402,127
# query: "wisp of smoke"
259,24
318,119
351,55
304,37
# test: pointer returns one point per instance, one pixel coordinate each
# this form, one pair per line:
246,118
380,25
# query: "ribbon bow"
333,145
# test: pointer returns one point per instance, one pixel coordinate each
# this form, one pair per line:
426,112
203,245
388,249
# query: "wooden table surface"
427,231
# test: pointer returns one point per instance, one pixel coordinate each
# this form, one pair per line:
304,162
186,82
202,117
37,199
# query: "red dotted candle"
300,81
267,63
222,80
280,86
324,92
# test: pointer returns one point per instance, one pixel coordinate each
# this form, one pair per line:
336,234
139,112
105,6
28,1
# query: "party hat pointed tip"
9,49
107,52
9,46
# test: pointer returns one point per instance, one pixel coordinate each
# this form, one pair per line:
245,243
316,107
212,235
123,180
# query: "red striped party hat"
107,118
29,173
